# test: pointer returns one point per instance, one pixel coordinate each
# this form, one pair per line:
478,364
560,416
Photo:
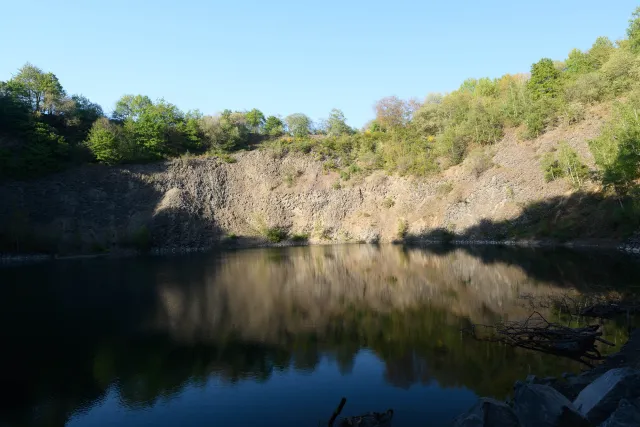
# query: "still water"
275,337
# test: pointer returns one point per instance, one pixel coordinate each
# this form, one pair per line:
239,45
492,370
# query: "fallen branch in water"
536,333
343,401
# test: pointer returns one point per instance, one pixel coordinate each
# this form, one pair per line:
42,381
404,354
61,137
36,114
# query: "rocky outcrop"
607,399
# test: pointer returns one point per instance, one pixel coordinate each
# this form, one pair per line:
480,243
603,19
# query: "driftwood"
372,419
536,333
603,305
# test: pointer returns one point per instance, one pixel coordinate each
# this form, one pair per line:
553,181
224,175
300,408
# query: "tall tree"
41,90
633,31
274,126
255,119
336,123
545,79
298,124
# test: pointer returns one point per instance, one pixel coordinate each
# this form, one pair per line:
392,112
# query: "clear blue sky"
292,56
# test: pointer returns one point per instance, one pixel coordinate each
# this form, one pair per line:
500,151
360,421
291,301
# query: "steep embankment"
197,202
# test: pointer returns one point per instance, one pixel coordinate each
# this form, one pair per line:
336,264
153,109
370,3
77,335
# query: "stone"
488,412
627,415
600,398
538,405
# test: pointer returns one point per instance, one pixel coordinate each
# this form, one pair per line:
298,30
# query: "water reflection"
144,332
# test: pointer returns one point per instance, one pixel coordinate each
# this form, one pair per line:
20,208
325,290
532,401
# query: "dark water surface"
275,337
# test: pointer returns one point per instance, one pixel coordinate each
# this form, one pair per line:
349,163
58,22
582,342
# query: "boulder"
538,405
488,413
627,415
600,398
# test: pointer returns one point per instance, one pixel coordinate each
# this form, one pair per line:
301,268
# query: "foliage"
298,125
300,237
393,112
224,132
617,150
276,234
388,203
545,79
564,163
403,228
336,124
633,31
255,119
273,126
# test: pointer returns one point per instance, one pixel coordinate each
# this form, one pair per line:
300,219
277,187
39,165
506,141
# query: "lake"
275,337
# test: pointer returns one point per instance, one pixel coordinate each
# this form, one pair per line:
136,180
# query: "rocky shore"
605,396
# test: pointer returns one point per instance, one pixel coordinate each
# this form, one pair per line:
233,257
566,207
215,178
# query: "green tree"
131,107
273,126
298,124
225,132
579,62
42,91
108,142
336,124
545,79
617,150
633,31
600,51
255,119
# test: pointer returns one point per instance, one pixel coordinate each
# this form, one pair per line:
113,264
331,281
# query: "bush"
301,237
587,88
388,203
276,234
564,163
403,228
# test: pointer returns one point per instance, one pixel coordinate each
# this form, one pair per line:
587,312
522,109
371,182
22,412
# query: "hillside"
189,203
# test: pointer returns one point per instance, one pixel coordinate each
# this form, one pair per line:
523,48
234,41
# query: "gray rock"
627,415
538,405
599,399
487,413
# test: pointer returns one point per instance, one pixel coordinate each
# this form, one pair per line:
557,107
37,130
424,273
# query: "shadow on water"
147,329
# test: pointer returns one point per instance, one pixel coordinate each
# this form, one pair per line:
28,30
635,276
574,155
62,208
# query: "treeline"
43,129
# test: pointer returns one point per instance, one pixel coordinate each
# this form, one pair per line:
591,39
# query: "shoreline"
250,243
598,396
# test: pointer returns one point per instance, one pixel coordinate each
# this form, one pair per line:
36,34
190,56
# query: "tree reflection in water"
147,328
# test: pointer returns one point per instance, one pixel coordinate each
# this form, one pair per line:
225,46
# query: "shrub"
587,88
403,228
276,234
388,203
564,163
300,237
